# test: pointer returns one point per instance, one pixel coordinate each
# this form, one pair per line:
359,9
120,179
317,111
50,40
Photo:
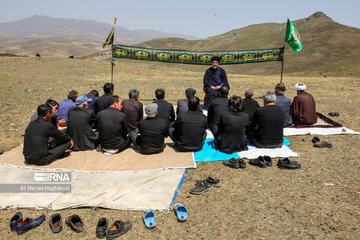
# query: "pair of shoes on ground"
205,185
235,163
73,221
22,226
319,144
148,215
117,229
287,164
261,161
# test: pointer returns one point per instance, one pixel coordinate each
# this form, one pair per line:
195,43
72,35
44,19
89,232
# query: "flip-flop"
181,212
149,218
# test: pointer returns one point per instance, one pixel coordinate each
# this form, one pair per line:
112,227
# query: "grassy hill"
329,47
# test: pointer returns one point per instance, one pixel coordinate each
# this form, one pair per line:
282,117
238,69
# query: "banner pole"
112,66
282,66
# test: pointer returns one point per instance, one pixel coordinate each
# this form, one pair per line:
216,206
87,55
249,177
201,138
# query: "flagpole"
282,65
112,64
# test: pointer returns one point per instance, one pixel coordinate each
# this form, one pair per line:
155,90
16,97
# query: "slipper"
181,212
149,218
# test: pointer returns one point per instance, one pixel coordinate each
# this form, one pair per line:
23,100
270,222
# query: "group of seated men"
88,121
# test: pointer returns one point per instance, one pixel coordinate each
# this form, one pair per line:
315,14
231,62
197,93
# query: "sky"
189,17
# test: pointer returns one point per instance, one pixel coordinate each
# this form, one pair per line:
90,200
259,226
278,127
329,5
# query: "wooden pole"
282,66
112,64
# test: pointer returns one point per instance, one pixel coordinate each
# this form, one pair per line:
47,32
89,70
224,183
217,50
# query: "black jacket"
217,107
102,103
231,134
165,110
152,133
210,79
249,106
134,112
112,127
190,130
79,127
37,136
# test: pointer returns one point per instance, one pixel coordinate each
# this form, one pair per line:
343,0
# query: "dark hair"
234,104
159,93
224,91
94,93
193,103
133,93
190,92
108,87
50,102
215,58
43,109
112,99
72,94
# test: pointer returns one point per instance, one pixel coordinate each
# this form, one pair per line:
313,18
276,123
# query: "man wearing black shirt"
36,150
112,126
266,128
217,107
165,109
189,132
249,105
133,109
152,131
102,102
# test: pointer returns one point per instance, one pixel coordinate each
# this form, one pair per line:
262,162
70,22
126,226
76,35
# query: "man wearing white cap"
79,125
303,109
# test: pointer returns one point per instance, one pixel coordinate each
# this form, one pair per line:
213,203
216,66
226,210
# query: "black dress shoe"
28,224
260,162
117,229
268,161
102,227
287,164
18,217
55,223
75,223
242,163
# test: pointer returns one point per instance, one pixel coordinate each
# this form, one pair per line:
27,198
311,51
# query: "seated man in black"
36,150
79,126
165,109
231,134
266,127
54,105
102,102
133,109
152,131
249,105
112,126
182,104
189,132
217,107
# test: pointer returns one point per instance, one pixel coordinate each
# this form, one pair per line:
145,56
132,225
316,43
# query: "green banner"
292,37
197,57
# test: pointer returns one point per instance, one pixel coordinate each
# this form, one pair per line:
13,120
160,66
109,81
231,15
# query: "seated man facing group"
217,107
153,130
36,148
79,126
112,126
266,127
165,109
189,131
230,136
303,109
65,106
133,110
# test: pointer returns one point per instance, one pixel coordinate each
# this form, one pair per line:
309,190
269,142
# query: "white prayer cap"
300,86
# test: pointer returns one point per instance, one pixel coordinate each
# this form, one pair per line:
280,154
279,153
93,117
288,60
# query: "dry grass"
252,203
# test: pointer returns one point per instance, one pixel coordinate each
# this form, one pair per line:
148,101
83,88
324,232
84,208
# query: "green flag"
292,37
110,38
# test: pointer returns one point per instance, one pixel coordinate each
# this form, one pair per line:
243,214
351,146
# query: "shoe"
213,181
18,217
201,187
181,212
334,114
268,161
75,223
55,223
101,227
323,145
315,140
260,162
287,164
242,163
148,217
233,163
28,224
117,229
